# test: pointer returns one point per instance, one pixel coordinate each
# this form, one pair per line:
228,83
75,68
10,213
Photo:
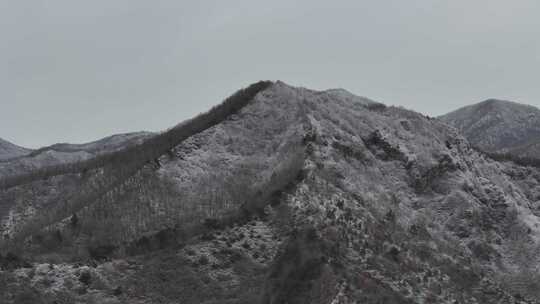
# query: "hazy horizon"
77,71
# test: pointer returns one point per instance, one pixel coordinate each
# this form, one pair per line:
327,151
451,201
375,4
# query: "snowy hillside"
499,126
105,145
9,150
299,196
64,153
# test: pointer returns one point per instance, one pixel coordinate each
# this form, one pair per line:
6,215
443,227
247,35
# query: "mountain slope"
63,153
105,145
499,126
300,196
9,150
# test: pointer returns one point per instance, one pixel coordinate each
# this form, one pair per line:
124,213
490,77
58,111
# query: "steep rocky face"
499,126
9,150
300,197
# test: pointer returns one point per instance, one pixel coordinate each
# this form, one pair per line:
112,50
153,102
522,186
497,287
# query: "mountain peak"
494,101
9,150
335,94
497,125
495,104
340,93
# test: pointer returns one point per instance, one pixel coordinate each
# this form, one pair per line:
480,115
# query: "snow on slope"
342,94
391,207
67,153
498,126
105,145
9,150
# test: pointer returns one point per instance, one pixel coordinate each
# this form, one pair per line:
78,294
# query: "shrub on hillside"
28,295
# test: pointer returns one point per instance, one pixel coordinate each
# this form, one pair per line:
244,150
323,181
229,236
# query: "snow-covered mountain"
280,195
499,126
9,150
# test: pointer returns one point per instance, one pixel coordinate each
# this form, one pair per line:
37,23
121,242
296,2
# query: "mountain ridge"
499,126
102,145
64,154
299,196
9,150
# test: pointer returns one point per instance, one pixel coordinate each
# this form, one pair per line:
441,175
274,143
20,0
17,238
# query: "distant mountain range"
499,126
17,160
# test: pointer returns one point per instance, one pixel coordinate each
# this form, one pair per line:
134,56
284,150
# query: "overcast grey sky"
75,71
